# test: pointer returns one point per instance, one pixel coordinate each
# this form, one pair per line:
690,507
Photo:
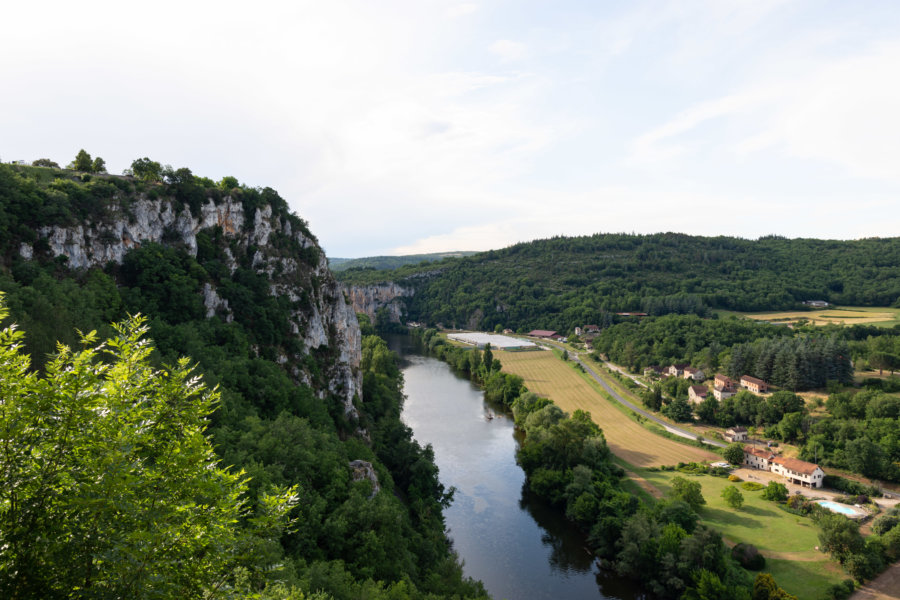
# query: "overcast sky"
426,125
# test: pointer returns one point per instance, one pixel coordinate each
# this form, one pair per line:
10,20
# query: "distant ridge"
382,263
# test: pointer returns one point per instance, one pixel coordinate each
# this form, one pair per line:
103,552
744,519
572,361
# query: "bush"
850,487
776,492
752,486
885,523
734,478
840,591
748,557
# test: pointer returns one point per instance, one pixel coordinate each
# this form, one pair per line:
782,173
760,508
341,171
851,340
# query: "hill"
228,276
563,282
382,263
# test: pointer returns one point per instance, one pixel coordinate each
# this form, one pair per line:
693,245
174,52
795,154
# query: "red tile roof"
699,390
759,452
750,379
541,333
796,465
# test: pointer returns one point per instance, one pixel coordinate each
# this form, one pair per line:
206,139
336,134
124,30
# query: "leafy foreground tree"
110,487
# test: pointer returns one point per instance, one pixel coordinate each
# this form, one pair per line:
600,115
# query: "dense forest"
283,434
564,282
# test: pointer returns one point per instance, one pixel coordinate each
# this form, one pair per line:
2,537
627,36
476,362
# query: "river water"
519,547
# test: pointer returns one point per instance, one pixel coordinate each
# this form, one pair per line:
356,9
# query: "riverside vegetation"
70,527
567,462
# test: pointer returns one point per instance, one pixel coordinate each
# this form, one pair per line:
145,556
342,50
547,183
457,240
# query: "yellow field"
845,315
547,375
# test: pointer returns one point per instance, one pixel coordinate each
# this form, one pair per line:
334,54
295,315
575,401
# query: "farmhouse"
695,374
757,386
697,394
677,370
721,393
758,458
724,382
592,329
736,434
798,471
794,470
653,370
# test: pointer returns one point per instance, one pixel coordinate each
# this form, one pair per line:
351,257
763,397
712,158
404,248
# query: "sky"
409,126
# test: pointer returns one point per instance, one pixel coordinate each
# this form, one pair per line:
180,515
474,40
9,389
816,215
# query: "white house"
798,471
697,394
736,434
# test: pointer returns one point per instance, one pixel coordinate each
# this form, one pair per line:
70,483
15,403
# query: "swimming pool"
849,511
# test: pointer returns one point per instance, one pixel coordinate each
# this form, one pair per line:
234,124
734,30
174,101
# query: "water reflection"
512,541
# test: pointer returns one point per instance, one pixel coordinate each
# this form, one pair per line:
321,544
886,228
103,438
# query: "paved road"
612,392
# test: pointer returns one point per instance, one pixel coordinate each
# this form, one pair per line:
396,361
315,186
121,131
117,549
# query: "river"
519,547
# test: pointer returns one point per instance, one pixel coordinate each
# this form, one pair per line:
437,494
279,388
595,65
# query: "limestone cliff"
369,298
291,259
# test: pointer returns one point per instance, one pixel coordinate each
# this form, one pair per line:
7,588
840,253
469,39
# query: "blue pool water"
840,508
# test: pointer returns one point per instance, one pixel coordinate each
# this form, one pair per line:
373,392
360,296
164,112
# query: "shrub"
752,486
748,556
885,523
776,492
734,478
840,591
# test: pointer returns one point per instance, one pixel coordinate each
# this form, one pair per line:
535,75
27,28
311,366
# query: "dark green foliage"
776,492
562,282
389,262
689,492
748,556
734,453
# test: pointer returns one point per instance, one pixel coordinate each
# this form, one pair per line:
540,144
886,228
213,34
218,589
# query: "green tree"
734,453
733,497
487,359
110,485
45,162
98,166
840,537
146,169
776,492
689,492
82,162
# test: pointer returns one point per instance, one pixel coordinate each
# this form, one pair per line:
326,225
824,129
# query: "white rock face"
327,320
369,298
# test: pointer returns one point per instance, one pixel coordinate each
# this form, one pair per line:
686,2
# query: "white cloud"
461,10
508,50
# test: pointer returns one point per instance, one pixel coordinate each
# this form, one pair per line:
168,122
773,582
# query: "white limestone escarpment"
320,318
369,298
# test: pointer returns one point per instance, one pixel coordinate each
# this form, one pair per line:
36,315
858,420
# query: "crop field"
843,315
547,375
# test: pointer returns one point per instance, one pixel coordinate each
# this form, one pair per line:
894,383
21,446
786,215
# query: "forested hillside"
239,285
562,282
390,262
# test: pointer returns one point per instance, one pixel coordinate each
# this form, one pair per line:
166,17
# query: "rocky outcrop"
369,298
363,470
320,317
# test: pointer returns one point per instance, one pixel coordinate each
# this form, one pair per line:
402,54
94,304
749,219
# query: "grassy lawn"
788,541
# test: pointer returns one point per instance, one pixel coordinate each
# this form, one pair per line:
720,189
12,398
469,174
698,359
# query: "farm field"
787,541
841,315
547,375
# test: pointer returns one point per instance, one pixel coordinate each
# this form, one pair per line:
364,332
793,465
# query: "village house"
677,370
653,370
757,386
758,458
697,394
578,331
723,381
591,329
721,393
798,471
736,434
695,374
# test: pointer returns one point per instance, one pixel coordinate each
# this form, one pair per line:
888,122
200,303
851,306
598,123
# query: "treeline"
564,282
480,367
794,360
348,543
568,463
674,339
799,363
